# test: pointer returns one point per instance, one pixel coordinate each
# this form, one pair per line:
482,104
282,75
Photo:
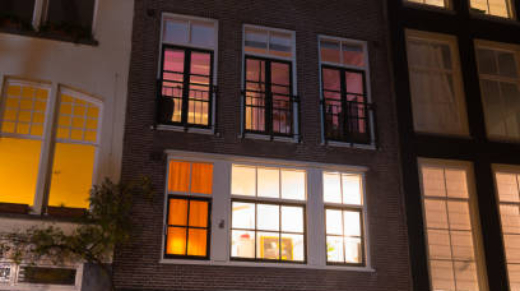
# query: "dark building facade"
269,132
457,82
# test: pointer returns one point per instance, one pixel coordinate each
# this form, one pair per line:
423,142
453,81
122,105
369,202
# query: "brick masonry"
136,265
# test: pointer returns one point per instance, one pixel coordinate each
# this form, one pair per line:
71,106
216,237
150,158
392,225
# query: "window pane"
268,217
440,3
178,212
268,245
280,44
335,249
197,240
334,222
439,245
268,183
21,9
256,40
47,276
330,51
243,215
293,184
201,178
508,187
436,214
353,250
510,217
353,54
179,177
456,184
198,214
466,276
293,247
243,181
332,187
176,241
507,64
487,63
351,223
174,62
203,34
292,219
491,7
72,172
462,245
79,13
442,275
459,215
512,244
433,182
331,81
18,169
514,276
175,31
243,244
352,189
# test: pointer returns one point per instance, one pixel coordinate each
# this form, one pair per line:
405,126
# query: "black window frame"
362,237
280,232
188,227
185,88
348,135
268,103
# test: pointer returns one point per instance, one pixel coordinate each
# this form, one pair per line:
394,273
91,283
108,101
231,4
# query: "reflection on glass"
243,215
243,244
293,184
334,222
243,181
203,34
292,219
352,189
344,236
268,217
268,182
332,187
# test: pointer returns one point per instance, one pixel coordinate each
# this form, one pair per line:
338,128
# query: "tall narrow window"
343,198
24,108
499,71
186,77
452,229
508,188
345,104
436,84
268,214
269,101
500,8
190,186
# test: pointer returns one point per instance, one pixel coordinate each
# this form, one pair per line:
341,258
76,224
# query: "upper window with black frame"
345,103
269,99
186,77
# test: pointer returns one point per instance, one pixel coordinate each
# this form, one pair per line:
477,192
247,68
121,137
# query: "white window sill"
340,144
267,265
268,138
184,129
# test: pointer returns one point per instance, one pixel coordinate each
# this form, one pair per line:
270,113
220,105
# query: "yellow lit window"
500,8
194,178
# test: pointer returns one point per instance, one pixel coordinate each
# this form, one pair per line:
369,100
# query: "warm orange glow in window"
197,242
201,175
18,169
176,242
201,178
179,176
199,213
178,212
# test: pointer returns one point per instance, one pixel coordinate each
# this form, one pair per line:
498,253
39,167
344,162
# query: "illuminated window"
268,213
345,104
187,72
438,3
436,84
499,72
451,225
508,188
25,128
500,8
189,207
269,99
343,198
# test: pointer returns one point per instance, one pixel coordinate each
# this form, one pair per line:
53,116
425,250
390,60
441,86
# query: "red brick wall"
137,264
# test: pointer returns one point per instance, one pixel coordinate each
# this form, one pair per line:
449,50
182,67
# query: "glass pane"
334,221
353,251
353,55
243,181
462,245
510,115
331,80
512,243
436,214
439,246
268,217
71,13
330,51
268,245
18,169
268,183
176,241
243,215
175,31
20,9
510,217
507,64
292,219
293,247
456,183
494,108
332,187
198,213
466,276
442,275
293,184
201,178
459,215
178,212
72,172
487,63
508,188
433,182
200,63
174,61
352,189
351,223
197,242
243,244
179,177
280,75
203,34
335,249
514,276
280,44
256,40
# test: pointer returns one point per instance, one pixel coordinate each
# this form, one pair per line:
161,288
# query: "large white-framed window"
499,73
267,213
498,8
507,181
49,142
452,228
269,90
40,277
436,86
187,76
347,111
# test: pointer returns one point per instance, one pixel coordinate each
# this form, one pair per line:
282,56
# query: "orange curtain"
202,178
197,242
199,213
178,212
179,176
176,241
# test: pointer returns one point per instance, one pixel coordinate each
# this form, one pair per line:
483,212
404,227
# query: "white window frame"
14,285
510,48
220,252
294,76
49,138
368,85
165,16
510,6
476,230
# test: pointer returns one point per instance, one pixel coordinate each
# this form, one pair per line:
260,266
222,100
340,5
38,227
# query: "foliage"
93,240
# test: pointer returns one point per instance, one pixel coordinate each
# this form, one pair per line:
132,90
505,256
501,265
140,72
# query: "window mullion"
186,89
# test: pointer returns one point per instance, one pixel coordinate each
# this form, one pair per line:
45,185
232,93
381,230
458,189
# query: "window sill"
350,145
269,138
49,36
164,127
267,265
